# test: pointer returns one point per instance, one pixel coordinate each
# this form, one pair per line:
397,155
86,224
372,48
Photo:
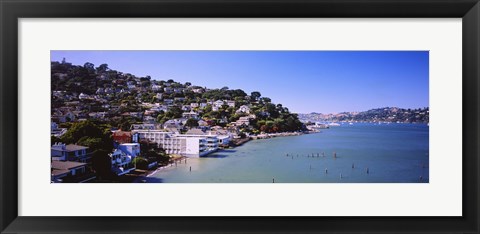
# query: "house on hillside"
243,109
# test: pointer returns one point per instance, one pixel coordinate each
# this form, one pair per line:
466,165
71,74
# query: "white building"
191,114
244,109
181,144
83,96
230,103
143,126
130,149
218,103
224,139
186,108
156,87
121,162
245,120
56,131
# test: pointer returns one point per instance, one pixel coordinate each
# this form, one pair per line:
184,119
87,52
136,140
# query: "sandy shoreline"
140,178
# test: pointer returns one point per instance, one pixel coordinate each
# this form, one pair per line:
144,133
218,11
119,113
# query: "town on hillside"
378,115
110,126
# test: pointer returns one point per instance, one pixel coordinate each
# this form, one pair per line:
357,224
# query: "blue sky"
303,81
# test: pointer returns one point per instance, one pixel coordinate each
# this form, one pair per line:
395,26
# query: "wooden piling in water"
190,169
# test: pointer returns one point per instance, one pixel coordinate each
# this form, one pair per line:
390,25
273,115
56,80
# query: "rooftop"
66,165
72,147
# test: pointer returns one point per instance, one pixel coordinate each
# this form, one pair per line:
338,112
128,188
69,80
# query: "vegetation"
127,93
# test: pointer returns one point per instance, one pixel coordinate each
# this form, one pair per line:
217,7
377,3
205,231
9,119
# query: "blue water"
393,153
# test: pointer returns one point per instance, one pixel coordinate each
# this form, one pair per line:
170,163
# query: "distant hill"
386,114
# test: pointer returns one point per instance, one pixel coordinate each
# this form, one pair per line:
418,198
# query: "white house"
56,131
198,90
63,116
168,101
245,120
121,162
83,96
186,108
179,99
203,105
230,103
130,149
243,109
194,104
218,103
191,114
156,87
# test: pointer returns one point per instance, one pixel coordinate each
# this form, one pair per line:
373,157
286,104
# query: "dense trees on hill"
127,92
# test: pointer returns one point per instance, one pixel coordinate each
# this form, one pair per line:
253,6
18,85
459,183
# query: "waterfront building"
70,172
76,153
190,145
130,149
121,162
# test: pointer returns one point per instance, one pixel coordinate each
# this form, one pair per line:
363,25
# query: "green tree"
87,132
255,95
191,123
140,163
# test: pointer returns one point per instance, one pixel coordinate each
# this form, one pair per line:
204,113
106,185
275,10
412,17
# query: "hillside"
120,99
386,114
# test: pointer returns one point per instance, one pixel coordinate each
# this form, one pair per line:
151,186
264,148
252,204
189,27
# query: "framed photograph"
256,116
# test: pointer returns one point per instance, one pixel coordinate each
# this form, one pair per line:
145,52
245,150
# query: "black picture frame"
11,11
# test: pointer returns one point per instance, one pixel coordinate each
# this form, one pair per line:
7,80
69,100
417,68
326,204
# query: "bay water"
365,153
